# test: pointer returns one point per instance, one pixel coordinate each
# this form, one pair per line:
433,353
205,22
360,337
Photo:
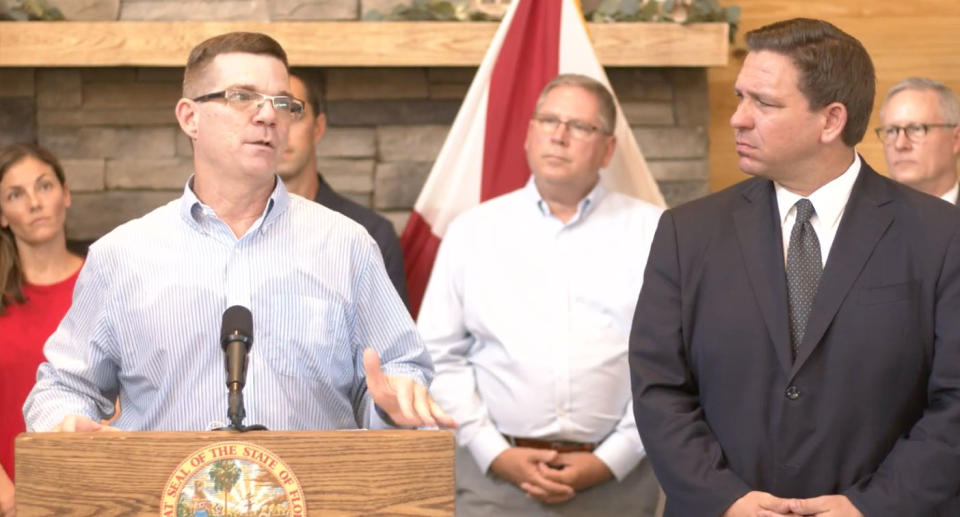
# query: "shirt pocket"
311,341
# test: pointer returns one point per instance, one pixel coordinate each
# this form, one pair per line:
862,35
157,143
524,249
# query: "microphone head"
237,326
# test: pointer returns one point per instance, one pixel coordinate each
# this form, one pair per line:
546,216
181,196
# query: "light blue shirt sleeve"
85,383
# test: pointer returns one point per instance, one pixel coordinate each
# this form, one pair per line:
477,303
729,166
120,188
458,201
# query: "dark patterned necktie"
803,272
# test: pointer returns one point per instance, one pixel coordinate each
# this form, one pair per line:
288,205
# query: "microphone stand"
236,413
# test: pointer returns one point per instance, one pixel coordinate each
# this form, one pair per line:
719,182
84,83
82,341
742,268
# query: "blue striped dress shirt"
146,314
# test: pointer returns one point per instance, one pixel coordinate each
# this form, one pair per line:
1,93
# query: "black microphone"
236,338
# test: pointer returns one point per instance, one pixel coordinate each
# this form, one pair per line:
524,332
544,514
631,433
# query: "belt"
554,445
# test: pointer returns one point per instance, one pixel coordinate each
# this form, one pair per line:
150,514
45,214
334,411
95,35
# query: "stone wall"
123,153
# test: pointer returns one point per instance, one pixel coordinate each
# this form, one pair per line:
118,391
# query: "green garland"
432,11
29,10
609,11
696,11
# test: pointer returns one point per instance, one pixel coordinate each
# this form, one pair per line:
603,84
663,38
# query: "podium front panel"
339,473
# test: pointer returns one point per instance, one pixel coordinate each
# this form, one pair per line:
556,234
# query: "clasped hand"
763,504
550,476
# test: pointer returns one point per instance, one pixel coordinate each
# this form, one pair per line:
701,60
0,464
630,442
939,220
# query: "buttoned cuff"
620,454
43,419
486,445
45,424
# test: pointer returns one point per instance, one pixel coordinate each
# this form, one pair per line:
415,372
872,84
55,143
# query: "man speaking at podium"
145,321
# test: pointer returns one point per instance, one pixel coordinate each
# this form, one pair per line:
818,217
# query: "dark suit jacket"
870,408
377,226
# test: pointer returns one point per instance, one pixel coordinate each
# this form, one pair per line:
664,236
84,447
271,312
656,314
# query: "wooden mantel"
348,44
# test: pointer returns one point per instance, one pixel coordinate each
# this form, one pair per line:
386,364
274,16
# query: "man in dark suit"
298,170
796,345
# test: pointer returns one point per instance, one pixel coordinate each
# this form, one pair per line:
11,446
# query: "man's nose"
901,141
740,119
561,133
265,113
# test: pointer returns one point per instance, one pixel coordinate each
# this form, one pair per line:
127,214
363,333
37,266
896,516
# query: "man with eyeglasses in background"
146,316
527,315
921,136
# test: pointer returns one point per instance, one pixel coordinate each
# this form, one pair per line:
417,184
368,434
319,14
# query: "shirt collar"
828,201
950,196
195,212
584,207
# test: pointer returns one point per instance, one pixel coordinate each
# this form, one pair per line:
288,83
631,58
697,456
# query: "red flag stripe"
420,247
527,61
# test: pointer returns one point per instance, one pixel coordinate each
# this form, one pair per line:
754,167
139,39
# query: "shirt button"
793,393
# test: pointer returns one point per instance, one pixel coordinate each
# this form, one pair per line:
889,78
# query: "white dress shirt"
527,320
828,203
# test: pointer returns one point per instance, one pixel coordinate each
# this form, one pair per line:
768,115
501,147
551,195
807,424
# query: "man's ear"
187,117
956,141
319,128
611,148
834,121
531,134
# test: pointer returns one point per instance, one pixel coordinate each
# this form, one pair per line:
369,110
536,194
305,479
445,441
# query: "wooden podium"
339,473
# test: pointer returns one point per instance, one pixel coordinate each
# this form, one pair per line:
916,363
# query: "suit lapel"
758,231
864,221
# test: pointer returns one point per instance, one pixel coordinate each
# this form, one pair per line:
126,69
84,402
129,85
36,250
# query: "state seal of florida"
232,479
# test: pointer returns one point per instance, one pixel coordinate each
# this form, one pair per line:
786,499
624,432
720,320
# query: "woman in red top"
37,274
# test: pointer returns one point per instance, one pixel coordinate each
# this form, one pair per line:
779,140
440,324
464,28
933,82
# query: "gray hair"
949,102
608,107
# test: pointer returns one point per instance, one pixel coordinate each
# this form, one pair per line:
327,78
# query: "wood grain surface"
50,44
342,473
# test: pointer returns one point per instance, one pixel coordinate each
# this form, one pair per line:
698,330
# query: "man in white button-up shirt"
527,316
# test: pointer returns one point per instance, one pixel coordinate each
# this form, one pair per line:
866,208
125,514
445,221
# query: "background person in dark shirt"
298,169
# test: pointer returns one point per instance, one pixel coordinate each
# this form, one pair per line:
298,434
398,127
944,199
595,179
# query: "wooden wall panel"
904,38
69,44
